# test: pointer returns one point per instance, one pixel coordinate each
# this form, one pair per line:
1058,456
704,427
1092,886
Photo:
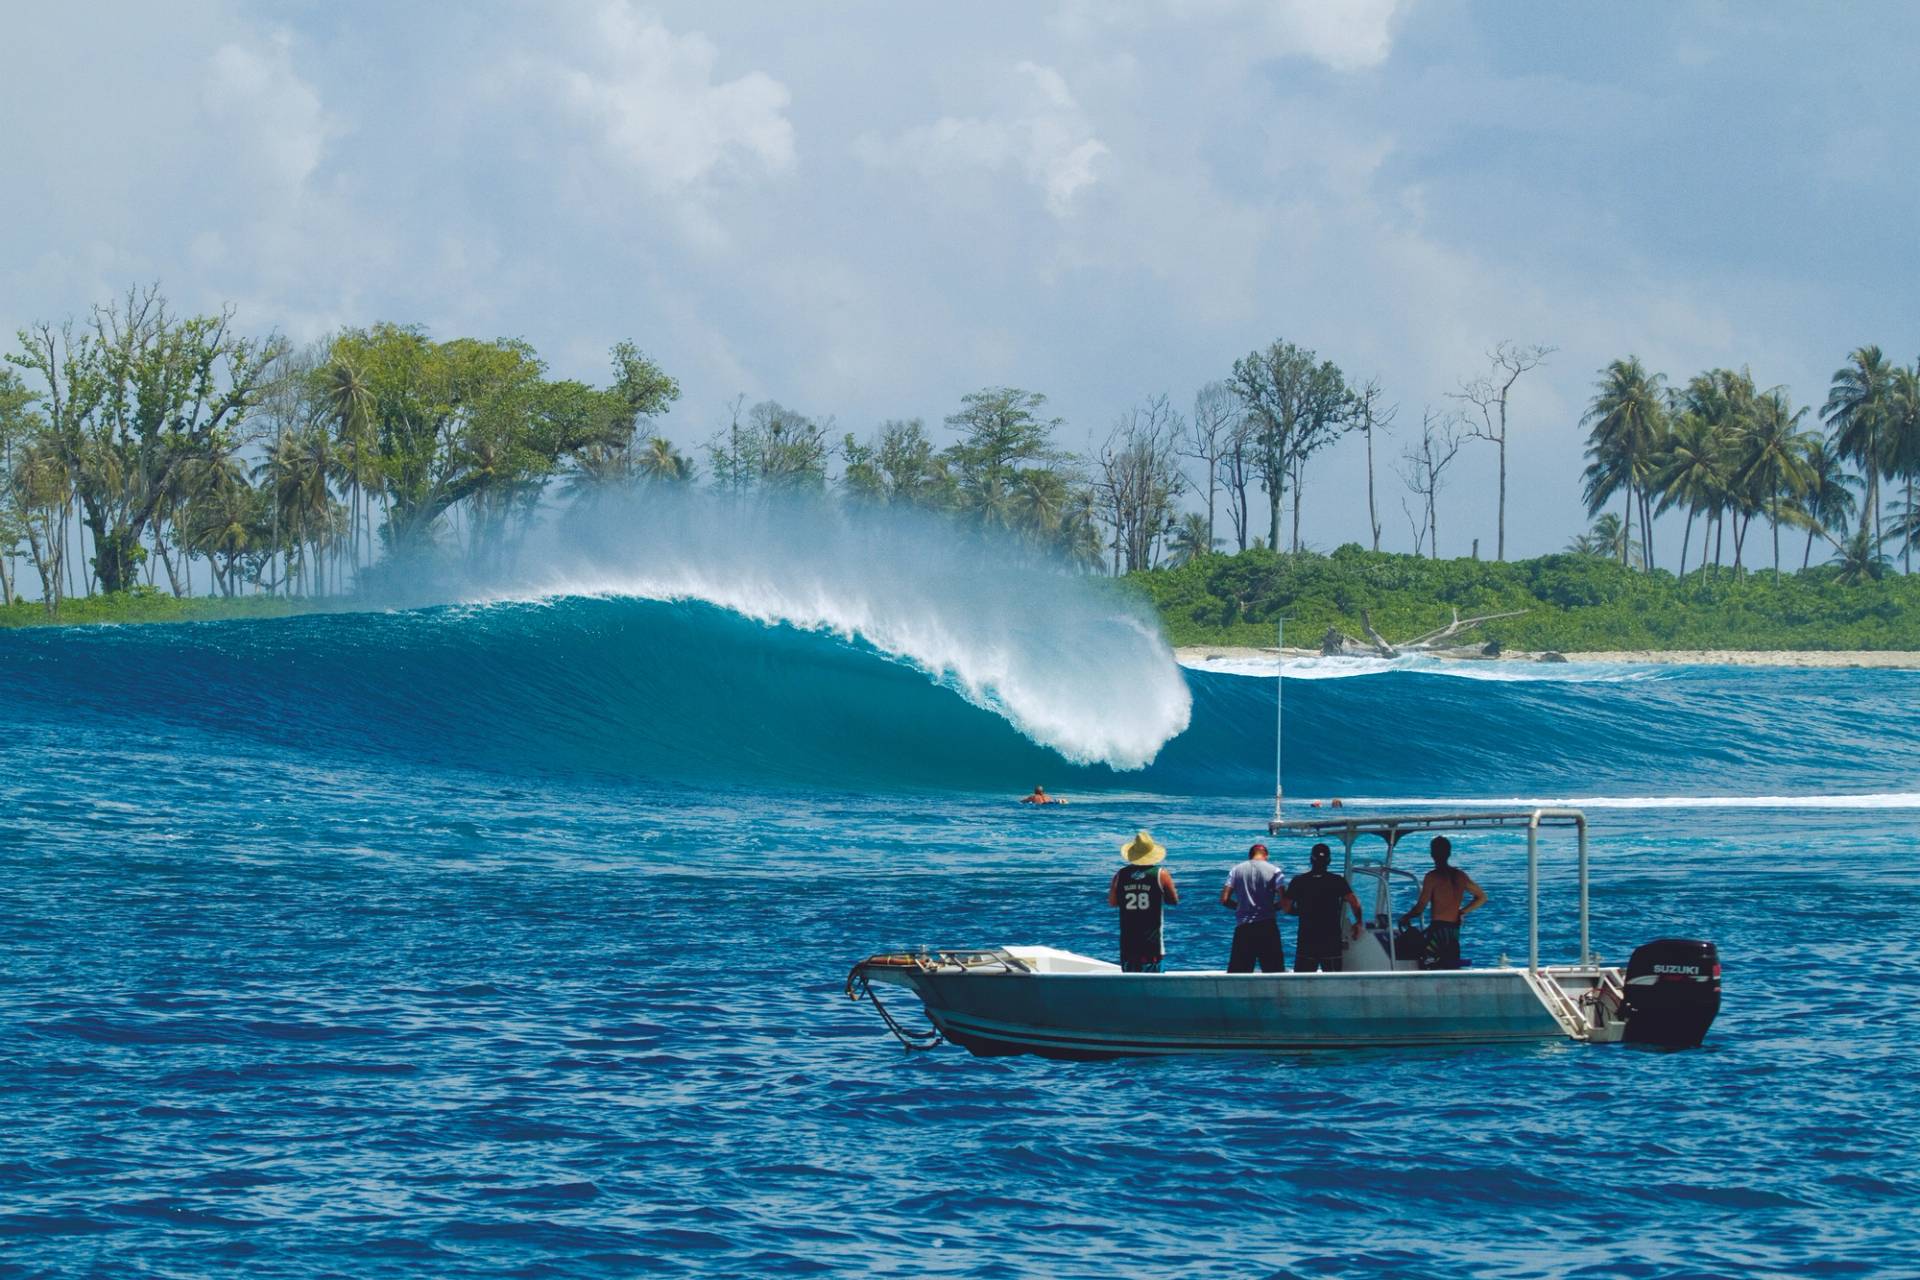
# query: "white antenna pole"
1279,716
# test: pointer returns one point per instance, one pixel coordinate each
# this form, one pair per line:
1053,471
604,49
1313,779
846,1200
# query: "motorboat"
998,1000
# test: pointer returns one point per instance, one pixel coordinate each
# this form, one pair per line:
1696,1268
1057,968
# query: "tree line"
140,443
1725,453
144,448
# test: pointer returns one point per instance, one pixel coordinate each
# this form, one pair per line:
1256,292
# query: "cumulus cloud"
260,105
1343,35
1039,132
1099,198
657,107
1349,36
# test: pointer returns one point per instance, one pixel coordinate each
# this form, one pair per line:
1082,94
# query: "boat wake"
1875,800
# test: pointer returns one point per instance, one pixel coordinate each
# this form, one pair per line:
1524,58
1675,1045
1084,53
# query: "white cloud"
1348,36
1344,35
653,101
1039,132
255,101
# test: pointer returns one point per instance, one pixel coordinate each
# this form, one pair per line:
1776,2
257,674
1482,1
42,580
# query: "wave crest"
1072,663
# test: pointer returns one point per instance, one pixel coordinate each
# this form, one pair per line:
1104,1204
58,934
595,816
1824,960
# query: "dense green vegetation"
161,466
1574,602
146,604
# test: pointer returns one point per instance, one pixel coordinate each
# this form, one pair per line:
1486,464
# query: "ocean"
506,937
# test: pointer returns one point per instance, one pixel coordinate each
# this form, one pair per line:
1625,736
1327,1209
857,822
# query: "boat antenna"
1279,713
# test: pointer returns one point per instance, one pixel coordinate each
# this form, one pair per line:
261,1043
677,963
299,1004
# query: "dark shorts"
1140,964
1257,944
1310,962
1443,945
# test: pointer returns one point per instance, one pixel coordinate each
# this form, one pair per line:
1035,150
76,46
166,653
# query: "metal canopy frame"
1392,828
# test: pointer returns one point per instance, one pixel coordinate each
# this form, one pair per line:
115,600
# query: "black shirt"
1317,896
1140,907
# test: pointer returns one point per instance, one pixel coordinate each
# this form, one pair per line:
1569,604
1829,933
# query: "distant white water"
1469,669
1873,800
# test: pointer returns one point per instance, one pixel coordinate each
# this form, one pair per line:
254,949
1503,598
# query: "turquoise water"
508,940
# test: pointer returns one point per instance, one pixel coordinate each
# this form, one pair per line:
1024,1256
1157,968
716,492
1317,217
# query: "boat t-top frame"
1392,828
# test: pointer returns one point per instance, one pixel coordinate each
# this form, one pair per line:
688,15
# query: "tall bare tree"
1217,415
1423,466
1367,416
1139,481
1489,395
1237,474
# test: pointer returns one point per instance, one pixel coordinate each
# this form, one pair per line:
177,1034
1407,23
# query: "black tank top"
1140,911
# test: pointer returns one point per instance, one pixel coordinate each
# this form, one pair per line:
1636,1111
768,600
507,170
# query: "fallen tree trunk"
1427,643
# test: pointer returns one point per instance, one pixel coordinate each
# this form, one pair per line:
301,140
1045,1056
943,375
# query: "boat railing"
925,960
1348,828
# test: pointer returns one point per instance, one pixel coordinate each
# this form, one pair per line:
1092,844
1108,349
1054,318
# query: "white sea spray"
1072,662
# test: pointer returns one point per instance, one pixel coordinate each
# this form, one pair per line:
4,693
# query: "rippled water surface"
285,992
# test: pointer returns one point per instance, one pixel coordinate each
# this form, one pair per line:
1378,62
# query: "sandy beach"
1902,659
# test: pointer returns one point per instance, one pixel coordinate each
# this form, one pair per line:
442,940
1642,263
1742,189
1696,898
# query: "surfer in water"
1040,796
1444,889
1141,889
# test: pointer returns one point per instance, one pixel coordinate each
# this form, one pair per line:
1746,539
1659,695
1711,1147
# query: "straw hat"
1143,850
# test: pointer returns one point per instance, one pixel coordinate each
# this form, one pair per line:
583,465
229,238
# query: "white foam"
1870,800
1419,664
1071,663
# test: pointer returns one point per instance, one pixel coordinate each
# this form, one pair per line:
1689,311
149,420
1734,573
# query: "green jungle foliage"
144,604
1574,602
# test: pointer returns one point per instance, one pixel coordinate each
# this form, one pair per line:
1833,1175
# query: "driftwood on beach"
1337,643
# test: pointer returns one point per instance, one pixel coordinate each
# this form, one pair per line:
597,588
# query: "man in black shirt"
1141,890
1316,896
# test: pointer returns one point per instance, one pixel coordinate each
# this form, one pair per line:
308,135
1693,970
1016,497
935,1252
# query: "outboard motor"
1673,992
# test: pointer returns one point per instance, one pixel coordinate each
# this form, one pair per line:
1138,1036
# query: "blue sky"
865,210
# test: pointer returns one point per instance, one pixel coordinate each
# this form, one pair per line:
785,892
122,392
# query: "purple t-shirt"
1255,884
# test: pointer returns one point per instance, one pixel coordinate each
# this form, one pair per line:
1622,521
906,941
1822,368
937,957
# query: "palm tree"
1692,472
298,472
1828,503
1037,503
1191,539
659,460
1586,544
1715,411
224,518
1903,453
43,492
1609,539
347,392
1860,559
1079,537
1904,532
1626,424
1773,450
597,466
1727,403
1858,408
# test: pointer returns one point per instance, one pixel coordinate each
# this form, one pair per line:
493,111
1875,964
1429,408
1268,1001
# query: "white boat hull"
1063,1006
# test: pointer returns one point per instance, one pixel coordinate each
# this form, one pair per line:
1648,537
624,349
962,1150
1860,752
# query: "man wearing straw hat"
1140,889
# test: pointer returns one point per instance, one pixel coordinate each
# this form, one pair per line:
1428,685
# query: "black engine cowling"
1673,992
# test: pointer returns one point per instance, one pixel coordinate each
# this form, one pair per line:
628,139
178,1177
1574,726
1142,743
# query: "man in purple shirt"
1255,891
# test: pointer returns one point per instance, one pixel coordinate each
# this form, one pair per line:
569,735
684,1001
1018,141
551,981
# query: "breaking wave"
791,648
